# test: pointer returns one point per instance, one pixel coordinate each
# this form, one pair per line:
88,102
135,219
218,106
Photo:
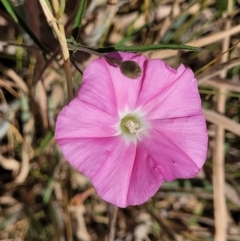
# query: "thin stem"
220,209
74,48
217,58
163,224
63,43
65,53
112,222
68,78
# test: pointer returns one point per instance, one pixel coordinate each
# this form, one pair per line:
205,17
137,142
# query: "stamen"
132,126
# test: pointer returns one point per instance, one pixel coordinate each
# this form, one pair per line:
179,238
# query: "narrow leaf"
19,12
145,48
78,20
9,9
74,46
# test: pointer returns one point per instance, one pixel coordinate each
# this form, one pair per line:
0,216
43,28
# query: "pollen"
132,126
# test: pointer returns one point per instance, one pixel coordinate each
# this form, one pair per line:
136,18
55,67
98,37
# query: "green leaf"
45,142
74,46
10,10
17,11
145,48
78,20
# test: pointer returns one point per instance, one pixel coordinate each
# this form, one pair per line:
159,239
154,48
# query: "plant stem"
112,222
59,31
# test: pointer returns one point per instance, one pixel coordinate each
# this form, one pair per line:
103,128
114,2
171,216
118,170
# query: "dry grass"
42,197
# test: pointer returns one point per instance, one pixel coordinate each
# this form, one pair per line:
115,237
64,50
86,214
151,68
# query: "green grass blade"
155,47
10,10
19,12
74,46
78,19
145,48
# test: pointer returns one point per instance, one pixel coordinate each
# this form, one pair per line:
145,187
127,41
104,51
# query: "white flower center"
132,125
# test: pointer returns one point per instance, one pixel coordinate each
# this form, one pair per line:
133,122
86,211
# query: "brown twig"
219,176
163,224
215,71
220,208
9,89
112,222
223,121
200,42
216,83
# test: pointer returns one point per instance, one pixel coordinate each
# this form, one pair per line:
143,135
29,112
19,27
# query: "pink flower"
129,135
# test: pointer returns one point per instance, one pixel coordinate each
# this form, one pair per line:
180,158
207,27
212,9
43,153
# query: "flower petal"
80,119
146,177
178,150
172,142
97,88
107,162
176,95
187,135
126,89
158,76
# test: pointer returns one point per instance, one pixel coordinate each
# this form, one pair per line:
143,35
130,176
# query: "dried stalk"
59,31
220,208
219,176
218,83
113,219
201,42
222,121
